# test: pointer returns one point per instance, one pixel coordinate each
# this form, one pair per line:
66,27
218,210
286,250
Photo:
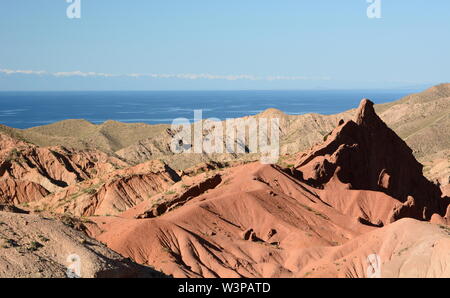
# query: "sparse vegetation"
14,155
8,243
34,246
67,221
227,181
315,212
446,229
92,190
325,137
43,238
402,251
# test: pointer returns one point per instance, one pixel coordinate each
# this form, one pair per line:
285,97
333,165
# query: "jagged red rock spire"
366,154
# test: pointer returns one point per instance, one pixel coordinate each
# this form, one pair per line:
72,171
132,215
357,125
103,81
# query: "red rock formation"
204,237
29,173
365,154
20,192
112,192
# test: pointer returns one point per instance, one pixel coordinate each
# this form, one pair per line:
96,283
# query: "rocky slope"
37,247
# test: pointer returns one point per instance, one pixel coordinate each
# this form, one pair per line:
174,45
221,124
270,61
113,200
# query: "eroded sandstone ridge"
29,173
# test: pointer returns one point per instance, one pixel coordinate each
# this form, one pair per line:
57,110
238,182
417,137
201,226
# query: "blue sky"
228,44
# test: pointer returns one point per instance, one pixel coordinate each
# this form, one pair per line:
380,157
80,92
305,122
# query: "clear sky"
223,44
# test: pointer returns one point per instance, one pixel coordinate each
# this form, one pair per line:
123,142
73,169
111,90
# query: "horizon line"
232,90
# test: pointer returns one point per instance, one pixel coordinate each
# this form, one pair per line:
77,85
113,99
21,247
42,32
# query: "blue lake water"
28,109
